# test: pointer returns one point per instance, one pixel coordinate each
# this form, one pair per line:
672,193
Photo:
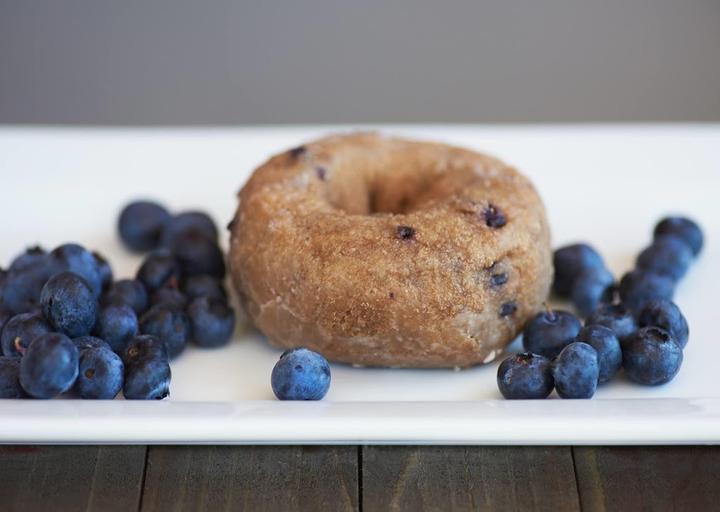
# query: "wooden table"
373,478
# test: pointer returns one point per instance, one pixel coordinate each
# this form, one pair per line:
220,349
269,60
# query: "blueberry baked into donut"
382,251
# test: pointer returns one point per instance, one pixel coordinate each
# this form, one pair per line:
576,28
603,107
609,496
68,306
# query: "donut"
382,251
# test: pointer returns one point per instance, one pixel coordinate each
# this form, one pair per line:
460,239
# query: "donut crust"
383,251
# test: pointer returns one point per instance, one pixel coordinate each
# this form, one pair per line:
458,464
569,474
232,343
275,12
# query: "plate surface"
604,184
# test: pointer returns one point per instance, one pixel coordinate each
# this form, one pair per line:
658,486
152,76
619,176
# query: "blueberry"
130,292
21,288
212,321
607,346
75,258
576,371
144,347
141,224
203,285
197,255
69,304
666,315
32,257
525,376
49,366
5,316
20,331
170,297
87,342
147,379
117,324
170,325
652,357
640,287
617,318
549,331
159,269
10,378
569,262
105,271
100,375
668,255
301,374
593,287
189,222
684,228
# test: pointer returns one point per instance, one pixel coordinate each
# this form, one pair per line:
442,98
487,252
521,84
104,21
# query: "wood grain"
253,478
468,478
60,478
648,478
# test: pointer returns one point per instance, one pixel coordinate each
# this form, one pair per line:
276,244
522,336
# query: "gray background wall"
272,61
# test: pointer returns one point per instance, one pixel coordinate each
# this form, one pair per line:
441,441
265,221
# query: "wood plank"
59,478
648,478
253,478
468,478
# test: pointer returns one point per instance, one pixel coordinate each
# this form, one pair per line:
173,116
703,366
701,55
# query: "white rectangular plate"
604,184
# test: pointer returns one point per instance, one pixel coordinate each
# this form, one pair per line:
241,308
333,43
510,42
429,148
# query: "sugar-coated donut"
382,251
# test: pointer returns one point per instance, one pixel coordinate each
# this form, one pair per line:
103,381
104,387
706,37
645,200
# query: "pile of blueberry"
634,325
67,326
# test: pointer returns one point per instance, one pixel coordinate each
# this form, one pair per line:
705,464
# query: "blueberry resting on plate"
615,317
75,258
197,255
212,321
141,223
549,332
69,304
639,287
20,290
147,379
525,376
10,378
128,291
666,315
668,255
593,287
49,366
32,257
607,346
576,371
100,375
652,357
301,374
192,222
20,331
570,262
145,346
683,228
170,325
117,324
203,285
160,269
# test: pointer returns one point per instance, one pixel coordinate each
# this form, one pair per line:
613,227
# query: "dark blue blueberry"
5,316
576,371
525,376
639,287
144,347
147,379
170,297
570,262
170,325
141,224
100,375
301,374
198,223
197,255
10,378
69,304
75,258
607,346
593,287
652,357
212,321
21,289
203,285
130,292
20,331
617,318
684,228
549,332
87,342
668,255
666,315
33,256
105,270
117,324
160,269
49,366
